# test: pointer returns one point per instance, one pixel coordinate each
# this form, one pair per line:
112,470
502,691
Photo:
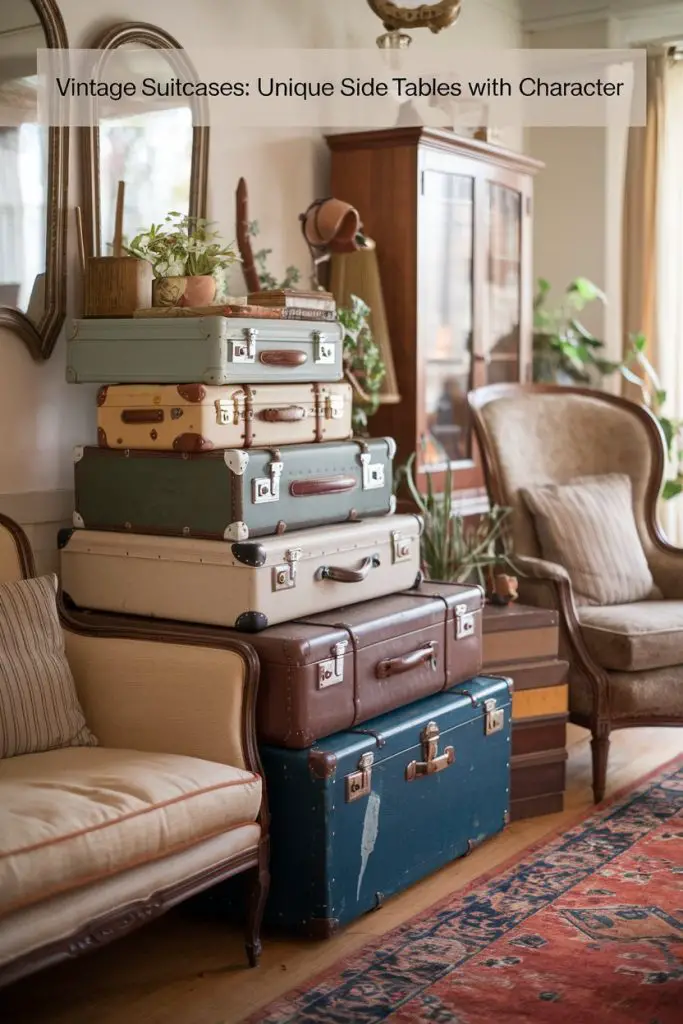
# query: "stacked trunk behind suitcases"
226,490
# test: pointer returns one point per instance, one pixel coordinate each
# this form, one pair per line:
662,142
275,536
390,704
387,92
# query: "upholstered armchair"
99,838
582,472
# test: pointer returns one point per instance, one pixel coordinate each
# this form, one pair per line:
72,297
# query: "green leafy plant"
182,247
363,364
564,350
267,280
451,549
638,369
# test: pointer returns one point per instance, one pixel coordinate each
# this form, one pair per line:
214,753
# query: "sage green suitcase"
203,350
233,494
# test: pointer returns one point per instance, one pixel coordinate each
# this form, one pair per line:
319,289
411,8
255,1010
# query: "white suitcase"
204,417
247,585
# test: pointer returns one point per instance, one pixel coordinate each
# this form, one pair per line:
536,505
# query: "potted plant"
185,256
454,551
564,350
363,364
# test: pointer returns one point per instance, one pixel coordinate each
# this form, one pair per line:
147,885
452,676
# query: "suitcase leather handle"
340,575
322,485
283,414
395,666
142,416
283,357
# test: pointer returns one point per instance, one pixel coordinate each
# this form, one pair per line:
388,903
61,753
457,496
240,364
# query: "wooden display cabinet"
451,218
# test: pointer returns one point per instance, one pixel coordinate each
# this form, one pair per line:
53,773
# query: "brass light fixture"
434,16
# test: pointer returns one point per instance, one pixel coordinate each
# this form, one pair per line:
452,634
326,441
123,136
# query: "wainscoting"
42,514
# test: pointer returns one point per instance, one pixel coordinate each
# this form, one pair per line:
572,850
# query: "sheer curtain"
669,296
11,215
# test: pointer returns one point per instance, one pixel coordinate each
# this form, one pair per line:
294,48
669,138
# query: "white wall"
569,217
41,417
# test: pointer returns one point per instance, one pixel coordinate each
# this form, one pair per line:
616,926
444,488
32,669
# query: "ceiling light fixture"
434,16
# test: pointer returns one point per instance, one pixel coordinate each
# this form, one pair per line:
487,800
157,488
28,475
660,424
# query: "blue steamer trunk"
364,814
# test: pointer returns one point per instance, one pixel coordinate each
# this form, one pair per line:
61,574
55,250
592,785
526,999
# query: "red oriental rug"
584,929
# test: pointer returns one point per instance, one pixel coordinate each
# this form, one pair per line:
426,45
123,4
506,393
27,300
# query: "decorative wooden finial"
251,277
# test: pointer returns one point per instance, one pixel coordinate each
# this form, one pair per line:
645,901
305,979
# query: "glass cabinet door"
446,316
503,285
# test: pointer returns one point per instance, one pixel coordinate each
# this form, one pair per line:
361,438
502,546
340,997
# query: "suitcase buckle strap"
323,350
464,622
433,761
359,783
244,351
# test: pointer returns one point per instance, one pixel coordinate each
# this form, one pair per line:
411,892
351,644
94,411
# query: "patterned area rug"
584,929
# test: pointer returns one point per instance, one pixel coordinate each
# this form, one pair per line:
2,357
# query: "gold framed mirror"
162,154
34,164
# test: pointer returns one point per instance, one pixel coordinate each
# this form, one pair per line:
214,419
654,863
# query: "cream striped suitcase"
248,585
203,417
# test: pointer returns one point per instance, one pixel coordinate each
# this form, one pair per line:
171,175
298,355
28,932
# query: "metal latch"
494,717
433,761
359,783
402,546
334,407
267,488
284,576
464,622
331,671
228,410
323,350
244,352
373,472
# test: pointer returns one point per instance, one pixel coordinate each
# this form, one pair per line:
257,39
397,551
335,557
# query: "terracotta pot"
184,291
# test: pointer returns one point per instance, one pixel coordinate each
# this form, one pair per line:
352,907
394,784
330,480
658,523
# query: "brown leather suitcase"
336,670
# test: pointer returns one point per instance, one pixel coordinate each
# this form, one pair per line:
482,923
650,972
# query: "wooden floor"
177,971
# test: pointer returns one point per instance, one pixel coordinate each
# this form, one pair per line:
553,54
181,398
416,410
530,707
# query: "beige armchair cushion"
636,637
39,706
588,526
71,817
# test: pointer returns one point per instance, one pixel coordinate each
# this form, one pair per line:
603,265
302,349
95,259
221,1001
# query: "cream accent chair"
626,661
183,808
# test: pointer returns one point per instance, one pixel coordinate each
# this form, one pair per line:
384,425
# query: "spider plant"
453,550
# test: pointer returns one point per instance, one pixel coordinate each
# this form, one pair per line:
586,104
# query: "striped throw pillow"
39,706
588,527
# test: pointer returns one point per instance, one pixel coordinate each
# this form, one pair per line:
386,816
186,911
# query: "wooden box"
522,642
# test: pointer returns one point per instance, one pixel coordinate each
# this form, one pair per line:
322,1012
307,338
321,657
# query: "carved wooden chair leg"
257,894
600,750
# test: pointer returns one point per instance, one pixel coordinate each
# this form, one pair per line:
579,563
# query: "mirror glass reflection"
23,162
145,143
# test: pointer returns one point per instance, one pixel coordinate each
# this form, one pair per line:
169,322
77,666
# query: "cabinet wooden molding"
452,221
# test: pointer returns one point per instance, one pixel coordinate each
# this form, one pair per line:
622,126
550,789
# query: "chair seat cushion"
71,817
636,637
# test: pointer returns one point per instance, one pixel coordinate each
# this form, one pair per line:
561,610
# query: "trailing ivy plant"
363,364
564,350
638,369
453,550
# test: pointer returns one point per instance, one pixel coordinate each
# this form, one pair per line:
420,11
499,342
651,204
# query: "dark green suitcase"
235,494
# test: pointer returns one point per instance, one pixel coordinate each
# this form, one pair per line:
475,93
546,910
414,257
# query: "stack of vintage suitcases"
226,490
